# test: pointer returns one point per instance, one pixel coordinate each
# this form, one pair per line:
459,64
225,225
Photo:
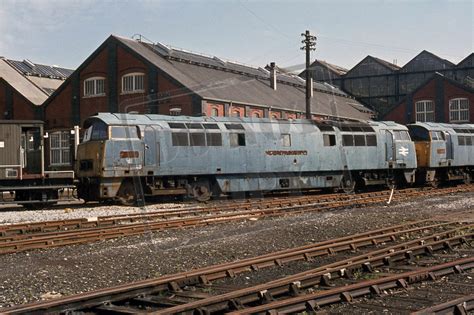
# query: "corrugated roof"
217,79
35,82
386,63
334,68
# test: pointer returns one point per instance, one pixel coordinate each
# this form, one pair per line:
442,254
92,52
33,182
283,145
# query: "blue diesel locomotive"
127,156
445,152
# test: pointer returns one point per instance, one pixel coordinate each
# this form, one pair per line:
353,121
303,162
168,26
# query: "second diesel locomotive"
128,156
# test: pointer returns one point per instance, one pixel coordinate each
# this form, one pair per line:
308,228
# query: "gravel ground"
10,215
41,274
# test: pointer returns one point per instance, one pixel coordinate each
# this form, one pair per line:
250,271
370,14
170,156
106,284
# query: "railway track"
188,292
39,235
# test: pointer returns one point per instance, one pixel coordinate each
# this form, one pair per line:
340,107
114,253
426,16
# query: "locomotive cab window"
437,135
237,139
124,132
401,135
329,140
347,140
371,140
214,139
97,131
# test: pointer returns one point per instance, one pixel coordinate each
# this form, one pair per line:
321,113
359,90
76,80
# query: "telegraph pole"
309,42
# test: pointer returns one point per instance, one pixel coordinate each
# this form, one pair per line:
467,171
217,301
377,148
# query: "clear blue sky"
65,32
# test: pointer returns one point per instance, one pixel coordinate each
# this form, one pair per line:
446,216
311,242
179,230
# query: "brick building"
25,85
438,99
382,85
125,75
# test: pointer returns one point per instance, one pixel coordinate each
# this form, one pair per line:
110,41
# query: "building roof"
334,68
214,78
35,82
428,55
390,65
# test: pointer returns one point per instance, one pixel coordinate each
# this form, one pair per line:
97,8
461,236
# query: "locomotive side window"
371,140
329,140
214,139
286,140
179,139
124,132
468,140
359,140
347,140
197,139
237,139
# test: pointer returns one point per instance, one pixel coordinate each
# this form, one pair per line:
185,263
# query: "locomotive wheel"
126,194
201,193
348,185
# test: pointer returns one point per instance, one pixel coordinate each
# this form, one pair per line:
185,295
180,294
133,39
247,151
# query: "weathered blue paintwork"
266,162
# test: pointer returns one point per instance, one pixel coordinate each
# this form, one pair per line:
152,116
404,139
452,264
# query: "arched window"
133,82
459,110
214,111
235,113
274,116
256,114
94,86
424,110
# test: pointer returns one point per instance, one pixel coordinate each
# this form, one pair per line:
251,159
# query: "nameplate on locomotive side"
129,154
287,152
441,151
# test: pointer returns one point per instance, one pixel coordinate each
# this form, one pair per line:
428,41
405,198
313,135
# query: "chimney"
273,76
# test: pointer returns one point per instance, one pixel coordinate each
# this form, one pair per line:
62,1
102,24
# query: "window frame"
133,76
458,111
94,80
424,112
64,148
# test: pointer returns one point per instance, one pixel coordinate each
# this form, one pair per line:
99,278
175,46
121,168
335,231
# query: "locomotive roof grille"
177,125
457,130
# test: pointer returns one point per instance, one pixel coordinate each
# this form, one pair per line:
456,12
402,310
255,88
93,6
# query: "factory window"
179,139
424,110
94,86
133,82
275,116
60,148
371,140
329,140
237,139
459,110
347,140
359,140
214,139
235,113
197,139
286,140
214,112
256,114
